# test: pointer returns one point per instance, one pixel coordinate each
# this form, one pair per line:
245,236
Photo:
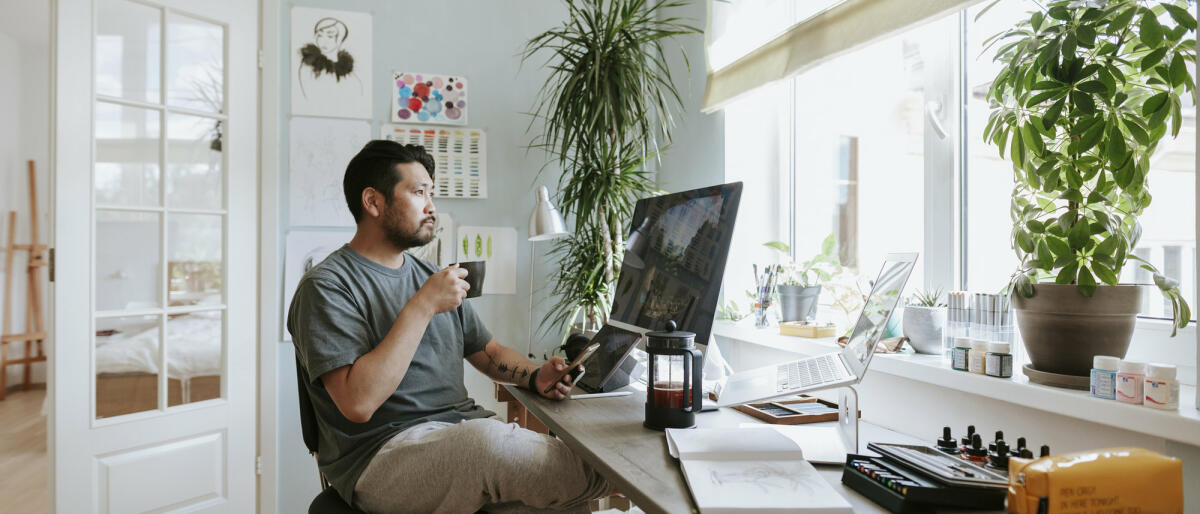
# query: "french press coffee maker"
674,392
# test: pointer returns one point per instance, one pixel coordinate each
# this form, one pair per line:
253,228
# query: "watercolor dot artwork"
429,98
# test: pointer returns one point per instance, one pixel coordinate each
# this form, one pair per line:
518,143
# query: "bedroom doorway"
25,43
153,407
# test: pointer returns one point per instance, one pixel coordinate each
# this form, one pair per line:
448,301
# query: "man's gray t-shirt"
342,309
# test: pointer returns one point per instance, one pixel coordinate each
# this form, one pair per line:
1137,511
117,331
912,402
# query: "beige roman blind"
838,27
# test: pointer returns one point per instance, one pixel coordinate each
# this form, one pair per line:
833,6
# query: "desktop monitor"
672,269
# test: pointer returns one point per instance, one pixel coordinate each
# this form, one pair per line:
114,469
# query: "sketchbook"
727,471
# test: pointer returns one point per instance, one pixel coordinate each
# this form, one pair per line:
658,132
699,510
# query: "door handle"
933,109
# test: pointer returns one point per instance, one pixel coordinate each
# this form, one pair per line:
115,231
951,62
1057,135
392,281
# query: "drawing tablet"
615,345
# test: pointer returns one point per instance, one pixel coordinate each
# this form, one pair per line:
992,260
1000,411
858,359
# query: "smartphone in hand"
573,368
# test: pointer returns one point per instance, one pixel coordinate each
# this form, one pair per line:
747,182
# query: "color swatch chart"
459,153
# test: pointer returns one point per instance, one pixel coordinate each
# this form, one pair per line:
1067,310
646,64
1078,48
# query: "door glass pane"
127,143
128,266
128,37
194,356
194,178
194,263
195,64
127,357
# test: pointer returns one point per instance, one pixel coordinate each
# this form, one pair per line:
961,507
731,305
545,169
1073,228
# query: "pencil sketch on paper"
320,150
332,57
763,475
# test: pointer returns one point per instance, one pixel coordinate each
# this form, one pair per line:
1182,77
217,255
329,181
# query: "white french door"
153,380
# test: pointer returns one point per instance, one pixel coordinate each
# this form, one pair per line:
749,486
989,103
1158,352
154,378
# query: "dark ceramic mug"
476,270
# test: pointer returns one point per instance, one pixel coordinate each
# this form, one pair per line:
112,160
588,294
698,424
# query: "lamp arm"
529,343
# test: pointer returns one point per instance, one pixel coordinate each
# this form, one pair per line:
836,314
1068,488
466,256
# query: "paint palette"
898,488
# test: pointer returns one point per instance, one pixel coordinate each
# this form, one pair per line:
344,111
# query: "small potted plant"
1086,93
800,284
923,320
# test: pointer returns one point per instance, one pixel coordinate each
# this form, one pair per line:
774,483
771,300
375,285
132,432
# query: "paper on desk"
821,444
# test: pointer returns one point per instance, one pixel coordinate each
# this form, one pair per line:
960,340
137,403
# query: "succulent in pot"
923,321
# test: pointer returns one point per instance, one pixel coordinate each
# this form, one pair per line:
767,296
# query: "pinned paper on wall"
320,150
497,246
305,250
460,155
331,63
440,251
429,98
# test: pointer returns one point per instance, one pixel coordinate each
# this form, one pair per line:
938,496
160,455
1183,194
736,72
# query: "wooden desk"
607,433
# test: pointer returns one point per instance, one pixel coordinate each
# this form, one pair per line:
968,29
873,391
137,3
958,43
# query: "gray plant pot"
923,327
798,303
1063,329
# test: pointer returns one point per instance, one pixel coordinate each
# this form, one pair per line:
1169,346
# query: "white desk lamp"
544,223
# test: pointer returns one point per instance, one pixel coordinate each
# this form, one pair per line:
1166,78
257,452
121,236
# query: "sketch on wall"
305,249
459,153
320,150
429,98
497,246
331,63
440,251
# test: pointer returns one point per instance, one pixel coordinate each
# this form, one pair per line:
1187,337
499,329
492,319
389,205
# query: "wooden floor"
23,452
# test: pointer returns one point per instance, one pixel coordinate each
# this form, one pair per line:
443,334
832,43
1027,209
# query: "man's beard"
401,238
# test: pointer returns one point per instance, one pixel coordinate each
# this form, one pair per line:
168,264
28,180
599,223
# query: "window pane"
195,64
128,272
127,357
194,356
1168,224
127,144
128,38
195,265
860,150
194,177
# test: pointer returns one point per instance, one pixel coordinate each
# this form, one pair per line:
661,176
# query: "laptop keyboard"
815,370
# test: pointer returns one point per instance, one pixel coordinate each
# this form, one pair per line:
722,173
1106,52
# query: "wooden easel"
35,329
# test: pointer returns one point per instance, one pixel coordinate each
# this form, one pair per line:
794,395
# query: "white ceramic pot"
923,328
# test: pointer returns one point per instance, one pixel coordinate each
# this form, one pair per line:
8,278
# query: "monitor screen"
675,259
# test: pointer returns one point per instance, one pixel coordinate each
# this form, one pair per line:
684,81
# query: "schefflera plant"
1087,91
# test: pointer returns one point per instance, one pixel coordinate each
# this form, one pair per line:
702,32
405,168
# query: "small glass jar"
1131,378
977,359
960,353
1161,387
1104,376
998,361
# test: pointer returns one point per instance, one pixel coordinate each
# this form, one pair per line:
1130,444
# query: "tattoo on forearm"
514,372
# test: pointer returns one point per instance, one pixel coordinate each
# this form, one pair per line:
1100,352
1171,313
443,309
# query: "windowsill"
1182,425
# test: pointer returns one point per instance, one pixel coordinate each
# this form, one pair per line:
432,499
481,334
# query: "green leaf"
1058,247
1092,86
1153,58
1047,84
1179,73
1024,241
1138,133
1104,274
1044,256
1181,16
1035,226
779,245
1059,12
1154,103
1024,285
1083,102
1120,21
1080,235
1086,36
828,245
1090,138
1067,274
1052,114
1086,282
1107,247
1150,31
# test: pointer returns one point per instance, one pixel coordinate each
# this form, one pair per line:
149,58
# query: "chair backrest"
308,418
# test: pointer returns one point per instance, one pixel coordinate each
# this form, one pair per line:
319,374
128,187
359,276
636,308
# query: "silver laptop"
834,369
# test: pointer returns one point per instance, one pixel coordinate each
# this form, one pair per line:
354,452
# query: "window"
886,152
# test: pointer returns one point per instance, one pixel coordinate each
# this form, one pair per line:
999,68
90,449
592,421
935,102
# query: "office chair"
328,502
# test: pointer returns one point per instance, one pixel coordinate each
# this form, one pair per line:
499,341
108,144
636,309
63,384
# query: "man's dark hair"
375,166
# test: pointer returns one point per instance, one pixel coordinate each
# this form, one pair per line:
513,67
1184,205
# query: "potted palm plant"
607,112
800,286
1087,91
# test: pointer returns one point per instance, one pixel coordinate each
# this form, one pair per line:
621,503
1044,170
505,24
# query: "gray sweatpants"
477,464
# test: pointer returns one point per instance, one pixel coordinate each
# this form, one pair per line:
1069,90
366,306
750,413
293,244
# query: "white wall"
24,135
480,40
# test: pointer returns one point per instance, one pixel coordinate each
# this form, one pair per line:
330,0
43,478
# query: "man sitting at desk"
382,336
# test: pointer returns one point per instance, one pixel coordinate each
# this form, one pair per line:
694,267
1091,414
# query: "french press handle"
696,366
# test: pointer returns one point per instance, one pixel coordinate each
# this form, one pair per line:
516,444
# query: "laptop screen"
873,320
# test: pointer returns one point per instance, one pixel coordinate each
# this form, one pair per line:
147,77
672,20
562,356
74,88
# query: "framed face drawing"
331,63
